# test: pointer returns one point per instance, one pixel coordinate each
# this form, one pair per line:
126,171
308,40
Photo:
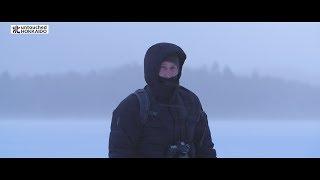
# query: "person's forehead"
168,63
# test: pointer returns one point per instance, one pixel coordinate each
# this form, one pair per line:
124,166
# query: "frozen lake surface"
89,138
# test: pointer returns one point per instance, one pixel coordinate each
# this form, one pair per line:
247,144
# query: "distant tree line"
97,93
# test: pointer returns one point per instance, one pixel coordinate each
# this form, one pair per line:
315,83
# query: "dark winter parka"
177,115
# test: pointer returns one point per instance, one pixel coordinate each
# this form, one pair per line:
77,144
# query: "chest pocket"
192,121
153,123
153,142
153,127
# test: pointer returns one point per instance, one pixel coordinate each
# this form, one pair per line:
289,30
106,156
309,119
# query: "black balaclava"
162,88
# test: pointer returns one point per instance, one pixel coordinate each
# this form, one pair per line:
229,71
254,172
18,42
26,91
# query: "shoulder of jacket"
186,92
127,103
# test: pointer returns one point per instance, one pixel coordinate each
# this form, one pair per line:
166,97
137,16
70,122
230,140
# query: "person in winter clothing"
164,119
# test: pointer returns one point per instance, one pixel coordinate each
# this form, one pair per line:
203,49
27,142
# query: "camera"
179,150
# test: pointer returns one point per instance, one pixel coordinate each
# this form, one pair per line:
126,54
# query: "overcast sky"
283,49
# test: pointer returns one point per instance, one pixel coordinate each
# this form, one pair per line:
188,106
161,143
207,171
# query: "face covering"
169,82
164,89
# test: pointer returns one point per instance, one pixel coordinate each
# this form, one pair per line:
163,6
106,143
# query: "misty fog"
257,81
223,94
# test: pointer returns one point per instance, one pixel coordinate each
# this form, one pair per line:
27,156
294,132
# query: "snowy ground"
89,138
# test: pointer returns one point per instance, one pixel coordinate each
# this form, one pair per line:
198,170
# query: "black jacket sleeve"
203,141
204,144
125,129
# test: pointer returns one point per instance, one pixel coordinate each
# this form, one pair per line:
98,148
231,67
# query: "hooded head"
155,55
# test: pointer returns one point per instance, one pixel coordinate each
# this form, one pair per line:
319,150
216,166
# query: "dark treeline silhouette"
95,94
